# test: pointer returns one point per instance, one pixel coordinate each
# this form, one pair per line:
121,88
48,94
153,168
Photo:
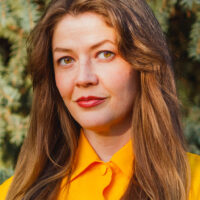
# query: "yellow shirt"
95,179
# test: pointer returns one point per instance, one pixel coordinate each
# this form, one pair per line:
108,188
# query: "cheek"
64,85
123,82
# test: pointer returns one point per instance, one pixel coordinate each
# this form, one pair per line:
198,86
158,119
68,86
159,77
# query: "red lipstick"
90,101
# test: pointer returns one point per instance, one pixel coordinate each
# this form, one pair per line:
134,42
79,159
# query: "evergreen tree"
180,21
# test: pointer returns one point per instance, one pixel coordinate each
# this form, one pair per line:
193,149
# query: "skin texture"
87,63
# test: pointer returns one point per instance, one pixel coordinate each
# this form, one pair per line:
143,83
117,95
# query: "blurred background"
180,21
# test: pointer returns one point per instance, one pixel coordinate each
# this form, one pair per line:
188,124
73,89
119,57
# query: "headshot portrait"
105,114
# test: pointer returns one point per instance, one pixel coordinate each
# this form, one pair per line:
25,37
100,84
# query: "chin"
95,125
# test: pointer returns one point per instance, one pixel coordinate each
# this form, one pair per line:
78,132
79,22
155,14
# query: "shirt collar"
86,155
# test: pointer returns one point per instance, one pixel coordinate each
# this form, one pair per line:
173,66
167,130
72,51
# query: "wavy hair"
161,170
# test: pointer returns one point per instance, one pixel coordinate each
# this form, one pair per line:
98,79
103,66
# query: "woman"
105,114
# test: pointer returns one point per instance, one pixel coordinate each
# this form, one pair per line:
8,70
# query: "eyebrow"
94,46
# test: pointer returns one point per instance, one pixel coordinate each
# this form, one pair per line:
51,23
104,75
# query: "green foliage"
17,18
189,4
192,129
162,10
180,20
194,45
5,174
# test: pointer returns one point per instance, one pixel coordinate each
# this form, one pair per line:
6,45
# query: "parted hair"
160,166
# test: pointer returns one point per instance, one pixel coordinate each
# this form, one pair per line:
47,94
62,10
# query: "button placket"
103,169
107,179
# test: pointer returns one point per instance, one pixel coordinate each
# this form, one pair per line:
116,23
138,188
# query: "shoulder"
193,157
4,187
194,161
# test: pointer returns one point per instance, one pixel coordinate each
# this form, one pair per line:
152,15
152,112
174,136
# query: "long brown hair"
160,165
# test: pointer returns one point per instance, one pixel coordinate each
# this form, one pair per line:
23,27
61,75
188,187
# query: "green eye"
106,55
66,61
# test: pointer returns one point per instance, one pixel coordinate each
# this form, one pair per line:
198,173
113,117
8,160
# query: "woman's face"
87,63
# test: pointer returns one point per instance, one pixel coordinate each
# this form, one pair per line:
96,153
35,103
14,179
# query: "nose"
86,76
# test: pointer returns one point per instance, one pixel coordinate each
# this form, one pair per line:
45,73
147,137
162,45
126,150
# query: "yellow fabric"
4,188
95,179
194,161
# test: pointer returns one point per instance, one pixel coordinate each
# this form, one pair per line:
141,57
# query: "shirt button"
103,169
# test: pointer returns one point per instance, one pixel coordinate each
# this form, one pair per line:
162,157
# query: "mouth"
91,101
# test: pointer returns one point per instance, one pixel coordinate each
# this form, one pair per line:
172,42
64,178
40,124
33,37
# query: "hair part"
160,165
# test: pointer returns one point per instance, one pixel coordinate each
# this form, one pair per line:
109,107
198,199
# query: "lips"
90,101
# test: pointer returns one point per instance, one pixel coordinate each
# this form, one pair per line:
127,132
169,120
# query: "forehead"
88,27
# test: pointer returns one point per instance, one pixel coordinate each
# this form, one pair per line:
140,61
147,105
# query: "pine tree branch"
30,14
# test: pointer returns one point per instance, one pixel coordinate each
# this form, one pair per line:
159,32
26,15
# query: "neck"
107,142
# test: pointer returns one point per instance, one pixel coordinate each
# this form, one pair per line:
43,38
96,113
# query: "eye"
65,61
104,55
